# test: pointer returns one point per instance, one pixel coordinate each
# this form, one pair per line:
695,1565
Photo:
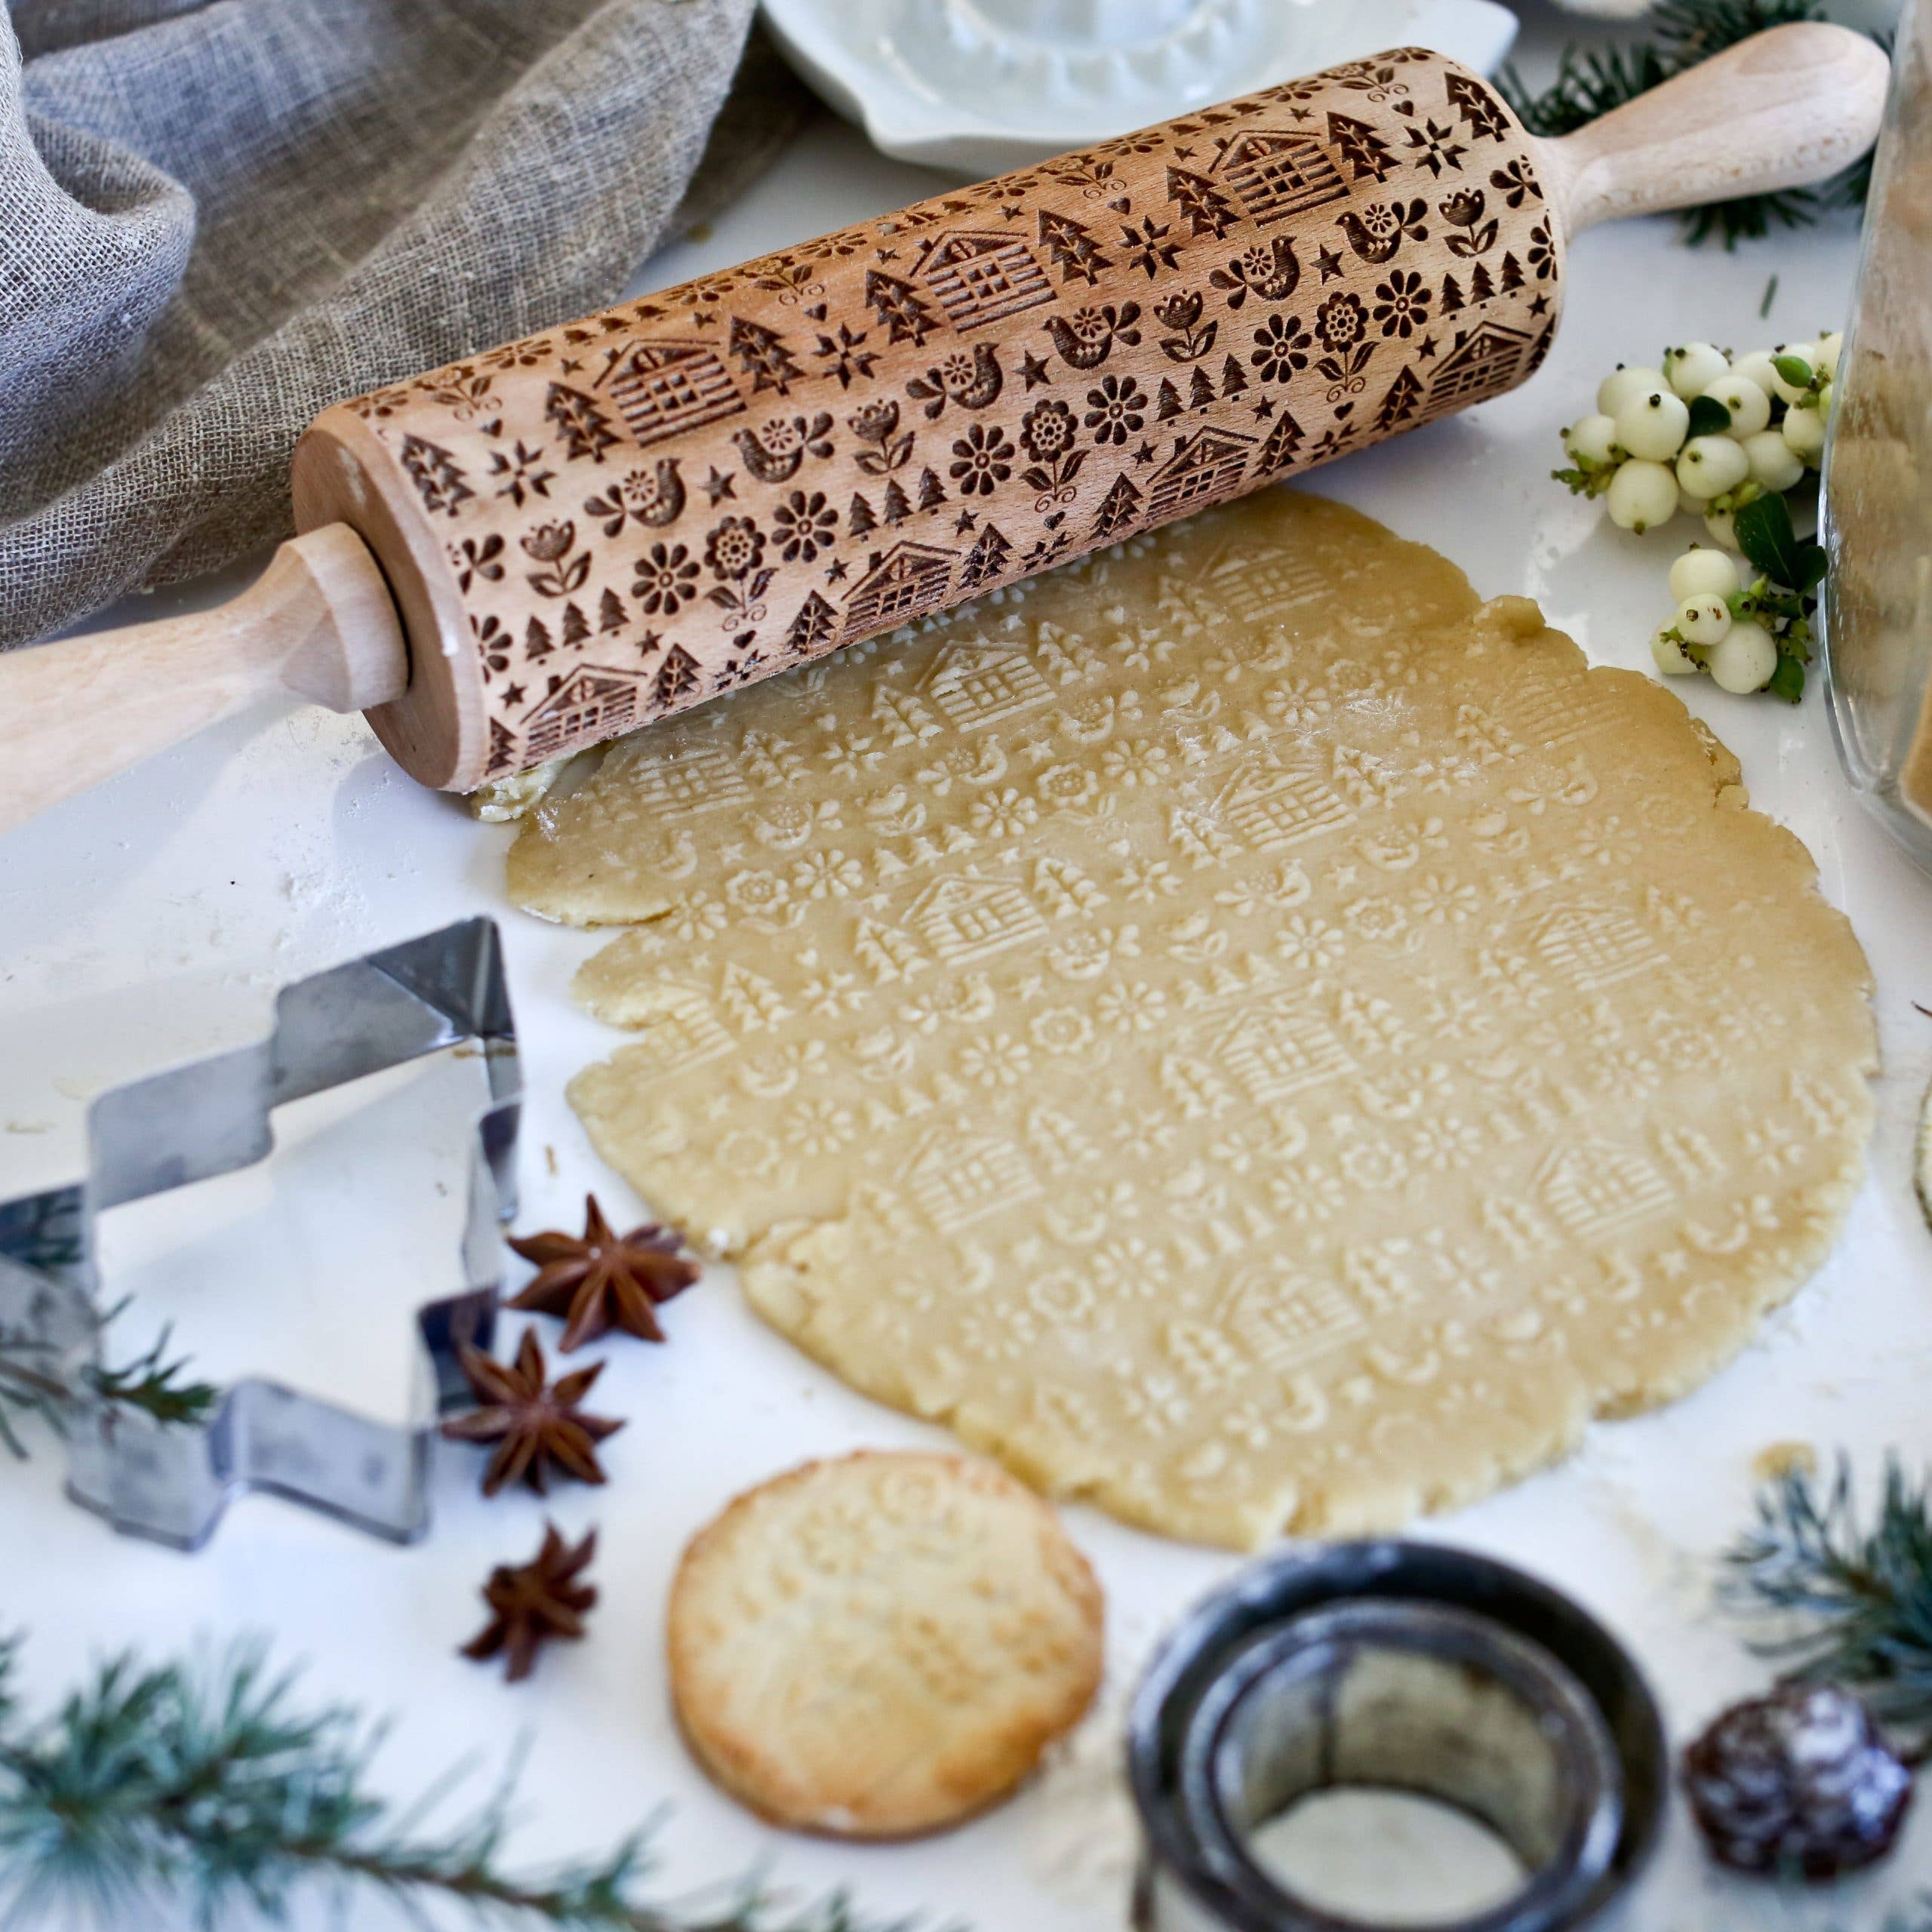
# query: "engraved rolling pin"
556,541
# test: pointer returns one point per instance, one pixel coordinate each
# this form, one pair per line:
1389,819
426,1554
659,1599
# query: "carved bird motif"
1279,283
664,502
1370,246
767,466
773,452
1087,340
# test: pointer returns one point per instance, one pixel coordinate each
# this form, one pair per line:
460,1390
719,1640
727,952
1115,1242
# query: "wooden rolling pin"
556,541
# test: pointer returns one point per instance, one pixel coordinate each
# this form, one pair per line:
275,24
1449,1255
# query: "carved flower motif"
1114,410
1464,208
1180,311
803,525
1066,785
1341,322
1061,1029
1401,302
549,541
735,549
1542,251
985,458
1516,183
1280,347
666,579
1048,430
875,423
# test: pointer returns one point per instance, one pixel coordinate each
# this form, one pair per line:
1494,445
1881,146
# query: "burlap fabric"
216,219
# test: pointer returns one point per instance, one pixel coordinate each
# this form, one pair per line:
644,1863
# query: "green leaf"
1765,535
1787,682
1795,369
1709,417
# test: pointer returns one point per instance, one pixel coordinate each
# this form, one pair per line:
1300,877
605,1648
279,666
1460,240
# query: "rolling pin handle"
1789,107
319,622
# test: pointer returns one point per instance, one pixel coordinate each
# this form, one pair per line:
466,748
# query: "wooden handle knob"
1787,107
318,622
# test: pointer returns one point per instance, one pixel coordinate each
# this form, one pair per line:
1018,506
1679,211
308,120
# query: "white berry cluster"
1740,653
1708,432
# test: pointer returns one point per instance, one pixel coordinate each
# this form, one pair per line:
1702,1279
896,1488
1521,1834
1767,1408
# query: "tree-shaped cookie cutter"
172,1481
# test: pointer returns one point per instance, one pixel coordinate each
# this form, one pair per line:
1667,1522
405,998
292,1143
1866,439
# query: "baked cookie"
881,1645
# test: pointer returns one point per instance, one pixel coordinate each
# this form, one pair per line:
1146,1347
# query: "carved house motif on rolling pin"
1276,174
979,278
972,684
591,702
663,388
959,1178
1207,464
901,582
1483,363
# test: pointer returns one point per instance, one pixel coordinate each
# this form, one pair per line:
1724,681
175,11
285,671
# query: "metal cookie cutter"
171,1481
1391,1665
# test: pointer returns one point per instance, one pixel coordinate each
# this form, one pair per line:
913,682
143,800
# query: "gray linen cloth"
217,217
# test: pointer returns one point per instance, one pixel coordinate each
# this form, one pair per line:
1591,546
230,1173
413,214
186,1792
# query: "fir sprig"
207,1786
1591,81
33,1385
1850,1602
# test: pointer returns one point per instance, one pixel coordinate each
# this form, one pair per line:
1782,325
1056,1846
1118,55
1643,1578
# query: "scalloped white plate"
983,86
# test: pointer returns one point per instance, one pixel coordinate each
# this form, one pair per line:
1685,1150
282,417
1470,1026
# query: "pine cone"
1798,1784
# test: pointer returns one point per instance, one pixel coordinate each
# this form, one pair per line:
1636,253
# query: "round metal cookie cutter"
1410,1666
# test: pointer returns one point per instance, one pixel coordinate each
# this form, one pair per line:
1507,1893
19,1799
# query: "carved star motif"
512,693
570,365
1011,214
1540,306
963,522
1186,153
705,318
886,255
1329,260
1145,454
720,487
1034,368
836,571
1302,113
1426,347
1264,409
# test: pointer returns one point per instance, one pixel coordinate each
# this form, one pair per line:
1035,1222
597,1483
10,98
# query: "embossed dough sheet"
1241,1033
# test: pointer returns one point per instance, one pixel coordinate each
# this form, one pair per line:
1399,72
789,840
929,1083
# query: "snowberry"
1774,464
1750,406
1653,426
1826,391
1829,344
1792,352
1668,655
1626,385
1710,465
1720,527
1692,369
1592,440
1804,429
1756,368
1641,495
1745,659
1703,619
1702,574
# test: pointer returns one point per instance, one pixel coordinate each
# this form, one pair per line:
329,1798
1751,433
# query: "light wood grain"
318,622
1785,109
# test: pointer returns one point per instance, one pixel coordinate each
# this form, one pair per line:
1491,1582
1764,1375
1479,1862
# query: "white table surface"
152,920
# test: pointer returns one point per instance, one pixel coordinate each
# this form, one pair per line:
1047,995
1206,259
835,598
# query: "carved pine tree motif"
928,406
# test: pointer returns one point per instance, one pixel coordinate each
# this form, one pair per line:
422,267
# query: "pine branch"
207,1786
1591,81
32,1386
1852,1603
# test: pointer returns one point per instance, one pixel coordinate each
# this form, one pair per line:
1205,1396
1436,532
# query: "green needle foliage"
1591,81
1852,1601
32,1386
210,1789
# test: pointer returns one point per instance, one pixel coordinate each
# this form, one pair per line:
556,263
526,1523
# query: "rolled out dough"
1238,1031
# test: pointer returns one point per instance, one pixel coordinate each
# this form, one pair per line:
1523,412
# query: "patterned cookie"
881,1645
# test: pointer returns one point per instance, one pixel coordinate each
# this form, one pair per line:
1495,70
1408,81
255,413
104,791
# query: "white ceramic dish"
983,86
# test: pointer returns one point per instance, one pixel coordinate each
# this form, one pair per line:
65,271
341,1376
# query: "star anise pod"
536,1424
532,1602
606,1280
